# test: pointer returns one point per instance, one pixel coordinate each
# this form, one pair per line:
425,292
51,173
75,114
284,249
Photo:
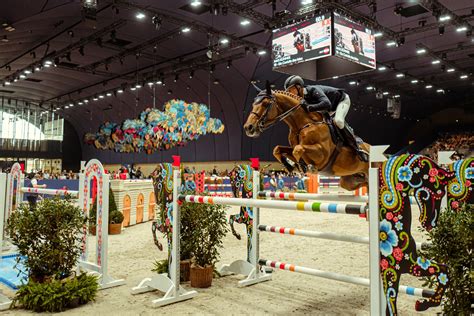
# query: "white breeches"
342,110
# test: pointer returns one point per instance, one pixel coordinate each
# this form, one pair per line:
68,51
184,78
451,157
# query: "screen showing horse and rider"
354,41
302,41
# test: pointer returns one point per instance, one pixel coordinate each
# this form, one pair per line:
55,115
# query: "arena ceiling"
126,43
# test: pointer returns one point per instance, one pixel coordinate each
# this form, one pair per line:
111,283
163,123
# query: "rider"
327,99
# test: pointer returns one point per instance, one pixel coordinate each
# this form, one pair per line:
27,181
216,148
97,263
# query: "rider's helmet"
293,80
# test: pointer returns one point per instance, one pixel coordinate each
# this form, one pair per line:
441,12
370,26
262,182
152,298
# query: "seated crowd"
462,143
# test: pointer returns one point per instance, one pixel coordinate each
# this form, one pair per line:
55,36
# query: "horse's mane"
289,94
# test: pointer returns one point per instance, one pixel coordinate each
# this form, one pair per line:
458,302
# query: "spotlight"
86,101
196,3
385,93
414,81
461,29
391,44
95,98
37,68
120,91
244,22
224,41
22,76
7,83
450,70
27,71
441,30
428,86
463,77
101,96
133,88
369,88
400,75
382,68
185,29
80,103
216,81
440,91
444,18
140,15
176,77
150,83
159,81
5,39
70,33
352,83
420,51
261,52
191,74
138,86
109,94
378,34
435,62
229,64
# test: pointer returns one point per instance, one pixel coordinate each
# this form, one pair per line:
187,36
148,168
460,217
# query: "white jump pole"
60,192
169,284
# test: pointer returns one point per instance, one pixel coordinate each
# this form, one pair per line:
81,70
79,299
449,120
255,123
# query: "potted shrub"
208,233
114,219
452,244
48,239
115,222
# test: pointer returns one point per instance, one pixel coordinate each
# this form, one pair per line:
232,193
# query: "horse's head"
264,113
428,182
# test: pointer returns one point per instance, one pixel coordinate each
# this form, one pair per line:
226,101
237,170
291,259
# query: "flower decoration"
179,123
443,278
388,238
405,173
423,263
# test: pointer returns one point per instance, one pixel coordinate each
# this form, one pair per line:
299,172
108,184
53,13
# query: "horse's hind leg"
440,271
353,182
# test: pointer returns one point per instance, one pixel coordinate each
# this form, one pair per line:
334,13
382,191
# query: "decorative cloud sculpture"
179,123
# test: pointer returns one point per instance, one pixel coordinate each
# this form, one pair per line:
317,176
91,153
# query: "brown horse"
309,137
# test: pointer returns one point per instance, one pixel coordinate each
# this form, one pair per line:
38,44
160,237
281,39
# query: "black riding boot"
355,142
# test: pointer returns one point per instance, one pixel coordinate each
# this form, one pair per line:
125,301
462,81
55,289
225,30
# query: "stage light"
440,90
444,18
101,96
428,86
378,34
47,62
133,88
66,106
109,94
306,2
120,91
27,71
261,52
191,74
7,83
176,77
140,15
185,29
224,41
435,62
420,51
150,83
400,75
80,103
414,81
22,76
196,3
385,93
382,68
71,105
216,81
352,83
391,44
86,101
37,68
463,77
369,88
461,29
138,86
244,22
229,64
335,77
396,96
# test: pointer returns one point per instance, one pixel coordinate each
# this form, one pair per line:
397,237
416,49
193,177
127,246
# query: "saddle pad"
10,275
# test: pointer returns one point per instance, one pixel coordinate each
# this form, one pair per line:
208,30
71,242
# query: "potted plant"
452,243
115,220
48,239
208,232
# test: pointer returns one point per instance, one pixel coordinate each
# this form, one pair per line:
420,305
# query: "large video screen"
302,41
354,41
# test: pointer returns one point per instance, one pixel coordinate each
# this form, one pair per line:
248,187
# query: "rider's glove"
304,104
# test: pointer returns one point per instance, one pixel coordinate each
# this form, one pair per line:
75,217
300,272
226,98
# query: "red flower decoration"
395,219
399,187
431,270
432,179
433,172
397,253
389,216
384,264
455,204
468,183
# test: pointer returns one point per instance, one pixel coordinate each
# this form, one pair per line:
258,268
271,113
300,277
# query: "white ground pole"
444,158
5,302
377,299
169,285
252,270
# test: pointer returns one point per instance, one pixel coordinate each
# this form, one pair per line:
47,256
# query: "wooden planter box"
201,277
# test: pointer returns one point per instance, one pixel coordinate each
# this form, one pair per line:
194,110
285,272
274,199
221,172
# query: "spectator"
33,198
139,173
280,183
214,172
273,183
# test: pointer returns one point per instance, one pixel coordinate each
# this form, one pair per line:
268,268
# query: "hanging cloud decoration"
179,123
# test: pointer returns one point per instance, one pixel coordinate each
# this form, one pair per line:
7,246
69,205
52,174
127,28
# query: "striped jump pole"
340,277
353,209
321,235
313,196
49,191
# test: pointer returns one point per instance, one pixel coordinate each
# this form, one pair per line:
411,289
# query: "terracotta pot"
92,230
201,277
185,270
115,229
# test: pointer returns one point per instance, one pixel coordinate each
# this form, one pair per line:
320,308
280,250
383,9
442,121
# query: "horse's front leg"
284,154
424,267
312,154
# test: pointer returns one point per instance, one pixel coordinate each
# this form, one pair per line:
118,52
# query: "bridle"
262,120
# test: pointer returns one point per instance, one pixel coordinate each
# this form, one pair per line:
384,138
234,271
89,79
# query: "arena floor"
131,256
